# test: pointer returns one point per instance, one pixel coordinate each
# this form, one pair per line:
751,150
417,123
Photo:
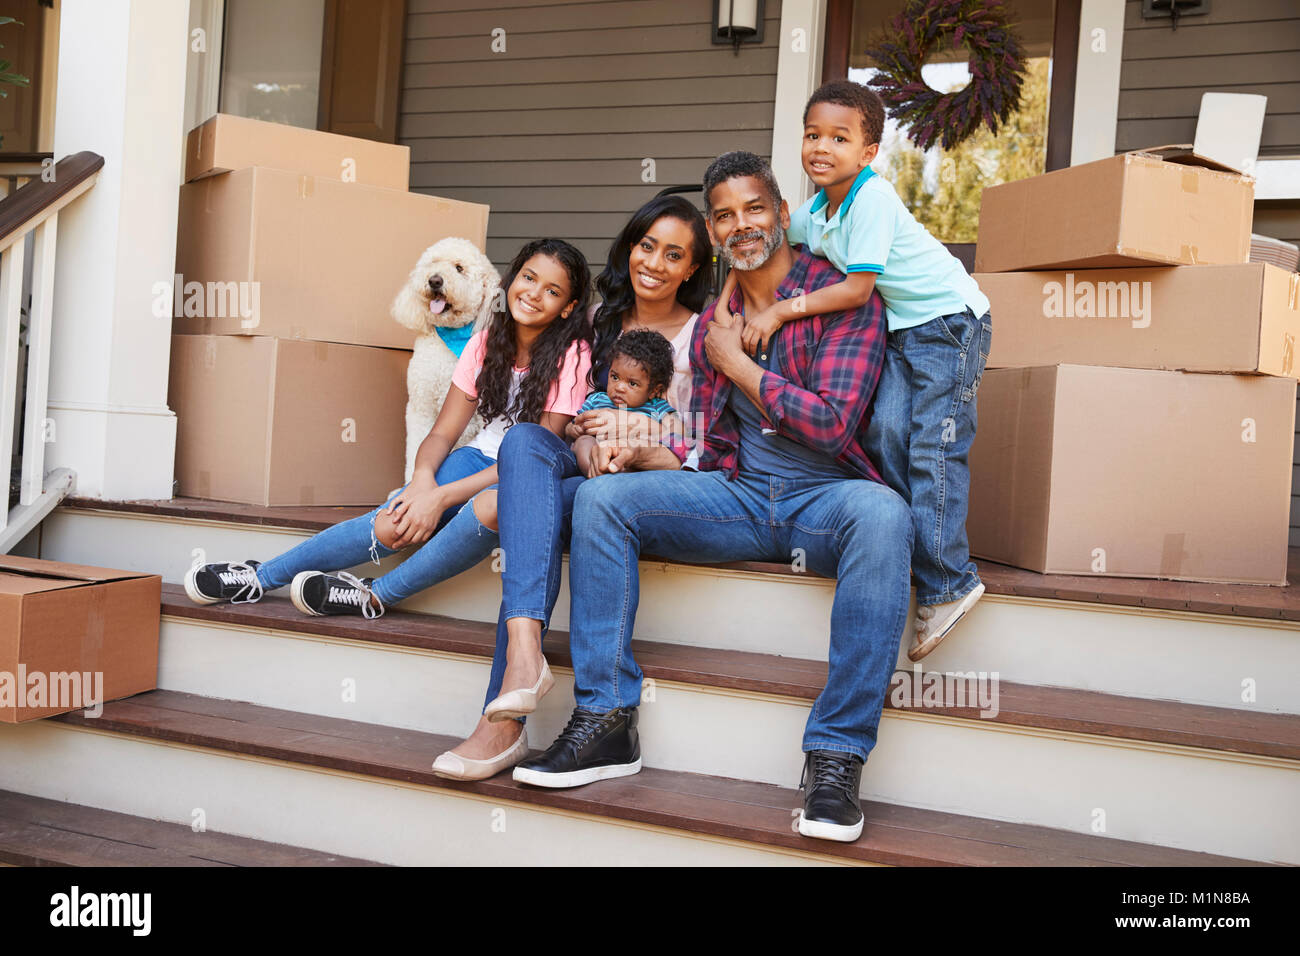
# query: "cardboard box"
1161,206
72,637
226,143
271,421
1242,318
266,252
1134,473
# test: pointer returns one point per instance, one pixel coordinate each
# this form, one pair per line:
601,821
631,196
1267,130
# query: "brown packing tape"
1288,353
205,484
1191,180
307,495
1293,291
210,354
306,186
1172,555
1189,254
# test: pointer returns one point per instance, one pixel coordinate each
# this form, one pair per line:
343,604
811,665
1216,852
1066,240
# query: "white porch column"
798,74
1096,80
121,93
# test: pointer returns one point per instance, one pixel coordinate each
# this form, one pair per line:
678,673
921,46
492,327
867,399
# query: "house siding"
554,132
1240,46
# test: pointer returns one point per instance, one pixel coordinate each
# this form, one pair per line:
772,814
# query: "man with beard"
777,472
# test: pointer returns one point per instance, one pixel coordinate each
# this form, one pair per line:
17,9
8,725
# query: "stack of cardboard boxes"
1110,439
288,375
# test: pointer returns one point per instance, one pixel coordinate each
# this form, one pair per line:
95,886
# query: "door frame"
1060,107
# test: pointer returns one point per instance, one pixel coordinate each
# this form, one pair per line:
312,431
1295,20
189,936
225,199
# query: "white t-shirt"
567,392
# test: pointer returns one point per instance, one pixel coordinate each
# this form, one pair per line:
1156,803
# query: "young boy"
923,419
640,368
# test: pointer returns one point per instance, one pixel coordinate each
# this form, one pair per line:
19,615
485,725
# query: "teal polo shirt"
872,231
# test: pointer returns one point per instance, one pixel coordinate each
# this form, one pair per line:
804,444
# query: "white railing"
33,193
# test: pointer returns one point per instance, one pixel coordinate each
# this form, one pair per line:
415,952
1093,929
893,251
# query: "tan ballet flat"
520,703
455,767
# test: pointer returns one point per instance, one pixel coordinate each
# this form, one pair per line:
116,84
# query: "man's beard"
757,259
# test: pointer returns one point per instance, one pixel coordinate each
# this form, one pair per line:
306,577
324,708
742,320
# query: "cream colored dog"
451,287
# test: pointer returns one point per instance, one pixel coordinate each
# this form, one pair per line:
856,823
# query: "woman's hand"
615,424
599,423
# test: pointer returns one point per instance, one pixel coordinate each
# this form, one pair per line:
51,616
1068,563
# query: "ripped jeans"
460,542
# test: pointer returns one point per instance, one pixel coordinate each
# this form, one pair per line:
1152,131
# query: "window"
942,187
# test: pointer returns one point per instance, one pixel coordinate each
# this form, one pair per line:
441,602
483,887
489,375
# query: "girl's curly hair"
549,349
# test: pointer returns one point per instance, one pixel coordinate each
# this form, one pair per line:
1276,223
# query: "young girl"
529,364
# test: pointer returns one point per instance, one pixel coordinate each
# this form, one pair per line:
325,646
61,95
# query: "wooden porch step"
1233,600
753,813
39,832
1046,708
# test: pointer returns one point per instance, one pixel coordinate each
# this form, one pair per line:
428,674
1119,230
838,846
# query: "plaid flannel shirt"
831,364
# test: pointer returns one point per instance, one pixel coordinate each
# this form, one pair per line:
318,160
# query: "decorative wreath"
997,69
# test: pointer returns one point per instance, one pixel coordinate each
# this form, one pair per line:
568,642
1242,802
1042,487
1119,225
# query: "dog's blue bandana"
456,339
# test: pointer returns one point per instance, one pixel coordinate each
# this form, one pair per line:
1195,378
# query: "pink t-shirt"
567,393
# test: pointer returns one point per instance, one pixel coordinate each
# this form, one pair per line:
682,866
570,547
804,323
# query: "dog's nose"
435,284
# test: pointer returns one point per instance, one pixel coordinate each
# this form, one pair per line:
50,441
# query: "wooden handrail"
22,210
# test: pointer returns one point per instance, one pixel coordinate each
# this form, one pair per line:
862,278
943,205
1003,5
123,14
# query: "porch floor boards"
1233,600
712,806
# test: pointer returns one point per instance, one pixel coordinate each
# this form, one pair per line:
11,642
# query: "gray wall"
1240,46
552,133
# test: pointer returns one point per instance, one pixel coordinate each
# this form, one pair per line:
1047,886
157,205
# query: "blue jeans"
538,477
922,426
857,531
460,542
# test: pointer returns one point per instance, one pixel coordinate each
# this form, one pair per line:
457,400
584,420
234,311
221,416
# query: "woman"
657,277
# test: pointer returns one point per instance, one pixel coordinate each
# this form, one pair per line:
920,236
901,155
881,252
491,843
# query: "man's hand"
760,328
723,344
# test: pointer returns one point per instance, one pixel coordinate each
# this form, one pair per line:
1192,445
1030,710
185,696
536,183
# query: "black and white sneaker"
224,583
318,594
830,783
591,747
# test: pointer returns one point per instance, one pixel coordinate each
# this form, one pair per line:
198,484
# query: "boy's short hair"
856,97
651,351
739,163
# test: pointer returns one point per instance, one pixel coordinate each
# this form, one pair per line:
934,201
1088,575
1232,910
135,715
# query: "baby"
640,368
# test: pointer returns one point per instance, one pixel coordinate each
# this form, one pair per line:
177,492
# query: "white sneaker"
933,622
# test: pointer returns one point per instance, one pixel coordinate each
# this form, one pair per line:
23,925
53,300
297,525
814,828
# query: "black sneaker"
318,594
224,583
830,803
591,747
